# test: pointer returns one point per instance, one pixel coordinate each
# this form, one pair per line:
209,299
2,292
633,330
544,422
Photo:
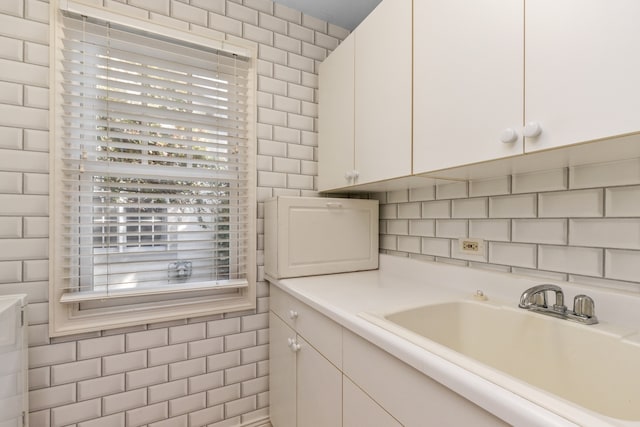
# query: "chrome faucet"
535,299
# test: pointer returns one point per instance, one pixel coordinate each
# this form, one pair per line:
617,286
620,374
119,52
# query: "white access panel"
306,236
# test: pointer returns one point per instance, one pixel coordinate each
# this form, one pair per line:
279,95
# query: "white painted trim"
145,25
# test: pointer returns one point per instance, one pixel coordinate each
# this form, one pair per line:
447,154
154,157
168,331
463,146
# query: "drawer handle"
293,315
334,205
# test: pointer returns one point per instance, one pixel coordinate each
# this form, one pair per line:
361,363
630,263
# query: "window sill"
76,297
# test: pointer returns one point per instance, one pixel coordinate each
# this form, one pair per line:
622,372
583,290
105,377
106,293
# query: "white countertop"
401,283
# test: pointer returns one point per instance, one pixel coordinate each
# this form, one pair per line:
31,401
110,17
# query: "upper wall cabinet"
582,77
365,101
383,88
468,82
336,117
485,88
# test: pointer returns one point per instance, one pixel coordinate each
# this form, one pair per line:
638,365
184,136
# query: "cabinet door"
319,389
336,117
582,70
282,374
383,93
468,81
360,410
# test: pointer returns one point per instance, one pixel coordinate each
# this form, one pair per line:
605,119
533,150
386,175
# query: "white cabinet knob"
532,129
351,175
508,136
293,345
293,315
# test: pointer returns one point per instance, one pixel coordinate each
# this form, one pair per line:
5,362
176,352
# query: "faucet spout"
535,299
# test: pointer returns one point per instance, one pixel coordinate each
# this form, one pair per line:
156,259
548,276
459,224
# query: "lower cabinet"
360,410
305,388
322,375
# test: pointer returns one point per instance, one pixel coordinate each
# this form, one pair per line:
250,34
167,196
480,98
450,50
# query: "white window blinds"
153,173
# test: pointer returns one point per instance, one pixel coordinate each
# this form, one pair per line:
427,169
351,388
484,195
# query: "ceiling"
343,13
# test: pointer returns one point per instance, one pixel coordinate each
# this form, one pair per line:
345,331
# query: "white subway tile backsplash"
409,210
147,414
210,381
550,231
39,378
568,259
257,34
75,371
490,187
622,264
147,377
626,172
168,354
575,203
207,416
223,361
623,201
99,387
549,275
519,206
115,420
46,398
436,247
146,339
10,271
451,228
188,368
399,196
52,354
242,13
490,229
167,390
540,181
187,404
422,227
389,211
77,412
409,244
388,242
606,233
422,194
605,283
436,209
98,347
514,254
456,190
469,208
124,362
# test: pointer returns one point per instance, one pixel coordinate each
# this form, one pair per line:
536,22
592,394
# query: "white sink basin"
590,366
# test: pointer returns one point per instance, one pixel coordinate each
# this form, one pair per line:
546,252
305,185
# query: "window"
154,204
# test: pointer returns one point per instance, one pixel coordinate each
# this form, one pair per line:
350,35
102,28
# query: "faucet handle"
584,306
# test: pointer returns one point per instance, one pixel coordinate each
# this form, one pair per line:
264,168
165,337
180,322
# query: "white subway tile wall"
580,224
195,372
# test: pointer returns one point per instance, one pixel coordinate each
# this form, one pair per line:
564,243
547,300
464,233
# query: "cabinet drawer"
318,330
407,394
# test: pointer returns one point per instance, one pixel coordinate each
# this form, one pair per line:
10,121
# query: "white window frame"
65,317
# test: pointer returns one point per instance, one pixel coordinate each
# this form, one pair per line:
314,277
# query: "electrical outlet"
471,245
